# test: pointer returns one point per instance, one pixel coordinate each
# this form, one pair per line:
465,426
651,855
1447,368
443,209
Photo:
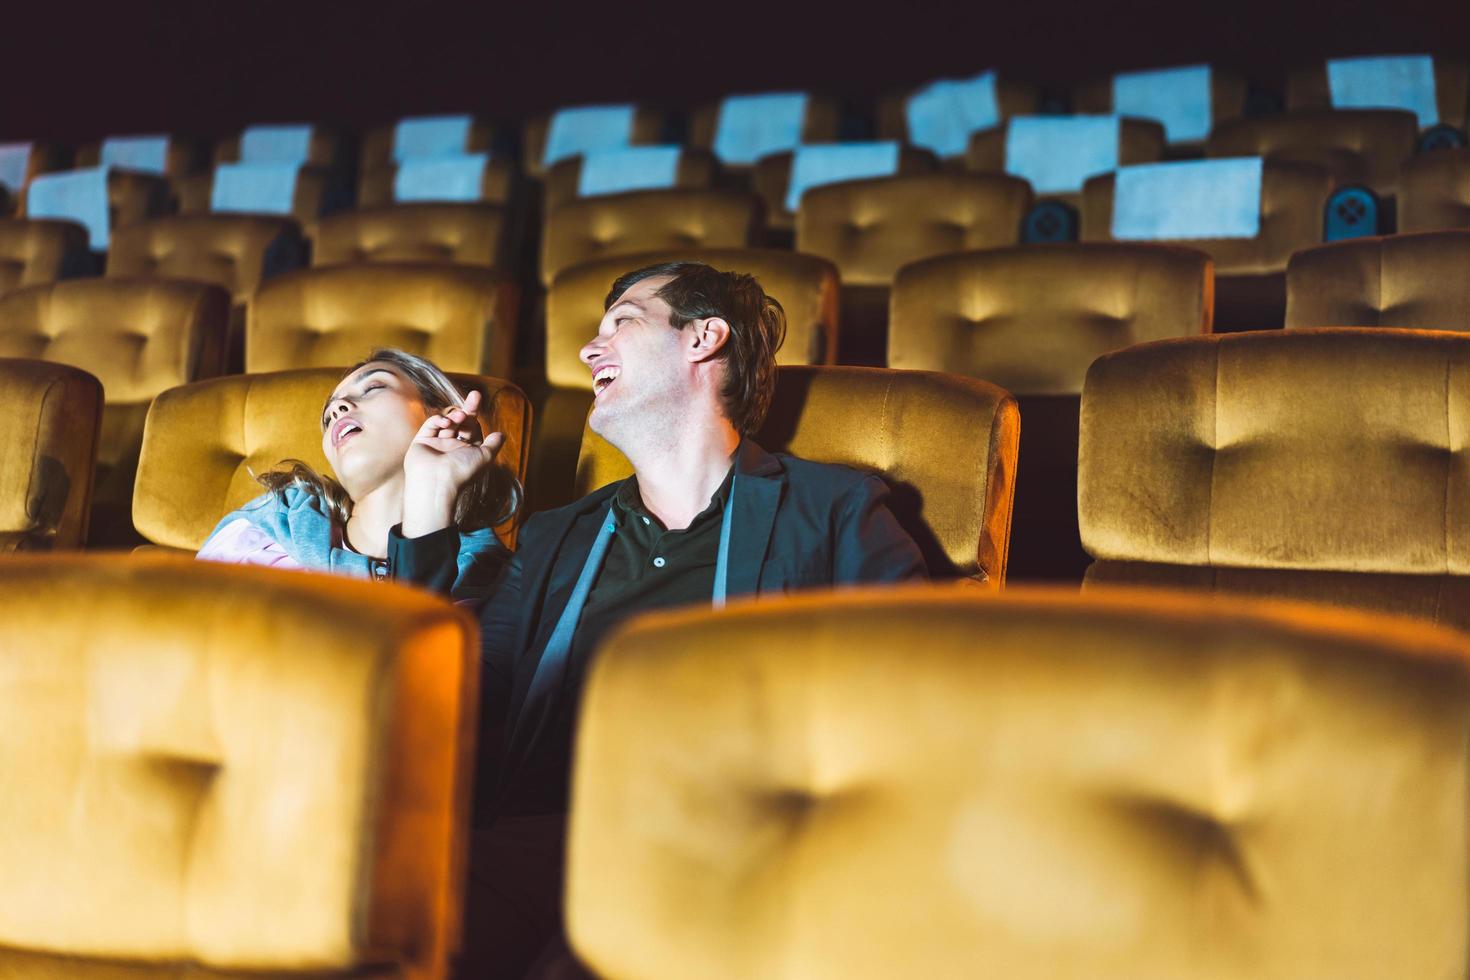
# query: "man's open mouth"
604,376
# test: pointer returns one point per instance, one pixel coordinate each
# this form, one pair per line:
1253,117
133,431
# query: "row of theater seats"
922,781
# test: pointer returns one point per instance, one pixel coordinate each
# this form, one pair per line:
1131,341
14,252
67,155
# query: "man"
684,368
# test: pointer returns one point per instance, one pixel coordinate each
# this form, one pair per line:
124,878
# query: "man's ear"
708,338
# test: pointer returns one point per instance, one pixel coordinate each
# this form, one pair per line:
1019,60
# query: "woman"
395,427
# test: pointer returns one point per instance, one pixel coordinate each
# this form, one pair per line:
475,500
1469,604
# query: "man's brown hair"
696,291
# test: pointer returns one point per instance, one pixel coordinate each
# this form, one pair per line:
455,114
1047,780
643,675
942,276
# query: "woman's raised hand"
446,454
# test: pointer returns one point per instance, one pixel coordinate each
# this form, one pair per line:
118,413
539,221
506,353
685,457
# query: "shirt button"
646,520
658,562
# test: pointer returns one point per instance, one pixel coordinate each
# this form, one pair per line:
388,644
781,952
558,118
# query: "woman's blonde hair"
492,497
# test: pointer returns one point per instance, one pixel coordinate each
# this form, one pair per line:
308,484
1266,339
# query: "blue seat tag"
15,163
942,115
1058,153
416,137
276,144
830,163
254,188
631,168
458,178
1189,199
148,154
585,128
73,195
1180,98
753,126
1398,82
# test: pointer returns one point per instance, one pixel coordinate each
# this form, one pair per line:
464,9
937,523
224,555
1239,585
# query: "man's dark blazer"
795,524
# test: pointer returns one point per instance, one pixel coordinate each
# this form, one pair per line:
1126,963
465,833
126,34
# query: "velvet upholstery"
38,251
1434,191
138,337
1307,88
497,186
1417,281
205,443
1047,785
771,179
1359,145
696,171
227,771
1298,453
459,317
1228,92
464,234
945,445
52,417
228,250
642,221
648,124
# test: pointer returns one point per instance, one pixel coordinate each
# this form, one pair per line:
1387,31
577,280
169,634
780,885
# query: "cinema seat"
642,221
460,234
217,771
138,337
771,179
1307,88
870,228
1031,319
924,782
1413,281
1434,191
48,453
1358,145
498,185
39,251
647,125
1311,464
945,445
1139,141
806,287
1250,273
460,317
236,252
695,170
1227,97
205,443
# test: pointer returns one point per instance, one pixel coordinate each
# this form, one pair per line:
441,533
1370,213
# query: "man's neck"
676,480
373,516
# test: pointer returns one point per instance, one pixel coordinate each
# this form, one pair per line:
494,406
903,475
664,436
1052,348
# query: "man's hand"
446,454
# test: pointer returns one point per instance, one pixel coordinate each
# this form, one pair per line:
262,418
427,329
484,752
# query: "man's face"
641,371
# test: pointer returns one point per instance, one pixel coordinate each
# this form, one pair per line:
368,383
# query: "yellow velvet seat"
1250,273
925,782
870,228
460,317
310,198
1414,281
1434,191
461,234
1031,319
804,285
1320,464
216,771
770,178
945,445
1139,141
1228,91
643,221
1013,97
498,184
1360,146
51,415
696,170
1307,88
39,251
139,337
205,443
648,123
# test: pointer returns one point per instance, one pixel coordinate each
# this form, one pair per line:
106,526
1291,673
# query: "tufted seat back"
1134,784
227,771
228,250
459,317
139,337
205,444
643,221
52,414
1374,141
804,285
1317,463
945,445
1434,191
38,251
1397,281
1292,198
466,234
870,228
1308,88
1032,318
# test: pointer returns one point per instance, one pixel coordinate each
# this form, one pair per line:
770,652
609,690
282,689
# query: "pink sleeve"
242,543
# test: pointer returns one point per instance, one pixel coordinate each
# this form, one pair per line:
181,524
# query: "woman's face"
368,425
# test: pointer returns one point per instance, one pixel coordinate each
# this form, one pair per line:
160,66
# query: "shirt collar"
627,502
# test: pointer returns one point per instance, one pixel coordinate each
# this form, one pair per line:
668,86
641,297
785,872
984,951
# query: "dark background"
72,72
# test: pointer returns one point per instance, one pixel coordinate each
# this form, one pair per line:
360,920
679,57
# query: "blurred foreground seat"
217,771
1032,319
945,445
923,782
1417,281
205,443
51,415
1326,465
